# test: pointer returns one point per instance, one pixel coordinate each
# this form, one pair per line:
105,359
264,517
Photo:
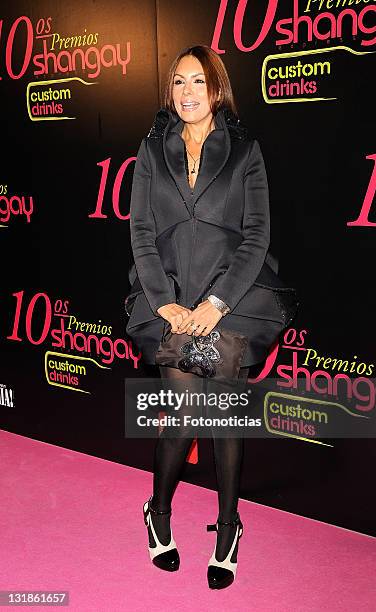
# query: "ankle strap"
150,507
233,523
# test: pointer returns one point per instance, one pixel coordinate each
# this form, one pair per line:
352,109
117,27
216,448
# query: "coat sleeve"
153,279
249,257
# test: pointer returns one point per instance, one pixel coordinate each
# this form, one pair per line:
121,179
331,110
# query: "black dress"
212,239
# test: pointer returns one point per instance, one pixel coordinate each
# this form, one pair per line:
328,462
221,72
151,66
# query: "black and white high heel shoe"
165,557
222,573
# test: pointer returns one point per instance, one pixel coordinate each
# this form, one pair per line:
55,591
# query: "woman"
199,222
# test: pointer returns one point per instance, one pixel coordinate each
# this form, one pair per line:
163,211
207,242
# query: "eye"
179,81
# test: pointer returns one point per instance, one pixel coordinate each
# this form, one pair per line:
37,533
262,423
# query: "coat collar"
224,117
216,150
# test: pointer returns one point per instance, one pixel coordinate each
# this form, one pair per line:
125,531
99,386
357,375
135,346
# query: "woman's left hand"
205,317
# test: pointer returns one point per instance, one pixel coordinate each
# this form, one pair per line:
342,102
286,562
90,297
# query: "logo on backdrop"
14,207
48,52
79,348
308,74
313,389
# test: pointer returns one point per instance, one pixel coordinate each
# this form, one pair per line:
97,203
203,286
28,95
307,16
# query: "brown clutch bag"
218,355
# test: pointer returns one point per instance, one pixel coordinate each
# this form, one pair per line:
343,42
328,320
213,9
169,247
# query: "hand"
175,314
205,317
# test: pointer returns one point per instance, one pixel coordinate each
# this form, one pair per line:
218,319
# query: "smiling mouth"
188,106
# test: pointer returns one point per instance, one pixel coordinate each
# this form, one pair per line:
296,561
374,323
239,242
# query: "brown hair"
216,76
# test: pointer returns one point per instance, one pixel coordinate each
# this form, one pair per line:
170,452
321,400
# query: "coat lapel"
173,150
215,152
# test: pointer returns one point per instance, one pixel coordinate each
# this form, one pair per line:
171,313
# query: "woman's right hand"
174,314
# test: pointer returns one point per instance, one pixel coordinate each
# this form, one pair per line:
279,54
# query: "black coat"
212,239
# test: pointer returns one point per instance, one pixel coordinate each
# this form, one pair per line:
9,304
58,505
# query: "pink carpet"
73,522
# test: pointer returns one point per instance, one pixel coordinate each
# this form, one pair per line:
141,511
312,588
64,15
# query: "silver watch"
222,306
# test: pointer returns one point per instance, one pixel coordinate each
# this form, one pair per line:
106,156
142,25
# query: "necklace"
193,171
194,161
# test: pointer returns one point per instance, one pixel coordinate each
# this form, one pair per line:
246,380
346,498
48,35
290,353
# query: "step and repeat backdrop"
80,84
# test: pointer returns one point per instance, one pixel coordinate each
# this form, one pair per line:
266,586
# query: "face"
189,90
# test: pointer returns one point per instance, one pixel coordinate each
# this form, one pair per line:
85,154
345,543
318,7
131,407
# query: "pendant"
193,171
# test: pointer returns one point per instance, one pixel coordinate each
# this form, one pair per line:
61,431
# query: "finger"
184,315
191,328
200,330
196,329
181,323
207,330
175,322
186,324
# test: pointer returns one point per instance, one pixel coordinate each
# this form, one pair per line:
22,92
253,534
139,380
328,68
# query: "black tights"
170,456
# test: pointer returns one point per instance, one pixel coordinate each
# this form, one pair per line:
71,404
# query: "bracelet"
222,306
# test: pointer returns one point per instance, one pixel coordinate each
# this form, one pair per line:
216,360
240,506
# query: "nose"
187,88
